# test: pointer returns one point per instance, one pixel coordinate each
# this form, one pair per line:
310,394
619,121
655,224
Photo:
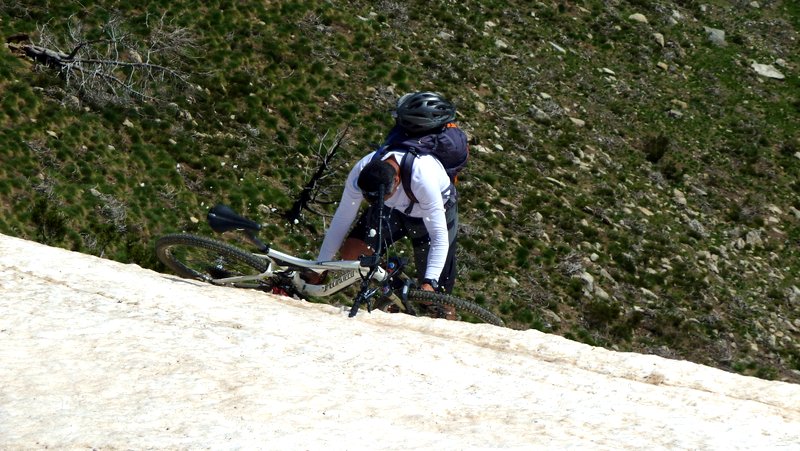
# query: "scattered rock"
551,316
508,203
500,44
601,293
663,65
558,48
767,70
716,36
775,209
679,197
638,17
480,107
578,122
587,280
677,114
753,238
696,228
660,39
539,115
72,102
648,293
606,275
127,122
680,103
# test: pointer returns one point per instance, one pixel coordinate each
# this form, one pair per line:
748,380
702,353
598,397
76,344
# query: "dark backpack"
449,146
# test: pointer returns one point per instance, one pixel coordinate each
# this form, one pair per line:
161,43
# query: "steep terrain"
102,355
634,173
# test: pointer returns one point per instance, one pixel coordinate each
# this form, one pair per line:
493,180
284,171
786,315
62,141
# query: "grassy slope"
544,201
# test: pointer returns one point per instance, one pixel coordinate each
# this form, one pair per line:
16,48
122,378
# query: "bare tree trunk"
313,189
116,68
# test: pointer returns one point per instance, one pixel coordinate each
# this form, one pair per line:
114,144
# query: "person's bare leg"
354,248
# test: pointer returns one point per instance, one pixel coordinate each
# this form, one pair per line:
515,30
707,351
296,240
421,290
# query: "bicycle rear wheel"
431,304
205,259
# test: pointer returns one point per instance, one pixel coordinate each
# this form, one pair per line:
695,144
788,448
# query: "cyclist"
431,223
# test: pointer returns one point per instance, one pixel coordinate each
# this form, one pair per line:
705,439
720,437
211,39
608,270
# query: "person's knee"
354,248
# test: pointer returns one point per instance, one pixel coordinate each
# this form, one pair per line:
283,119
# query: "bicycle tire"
200,258
421,299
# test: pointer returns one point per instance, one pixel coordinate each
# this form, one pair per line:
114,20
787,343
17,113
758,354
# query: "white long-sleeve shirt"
431,186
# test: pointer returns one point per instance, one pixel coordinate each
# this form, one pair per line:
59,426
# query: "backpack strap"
406,165
381,151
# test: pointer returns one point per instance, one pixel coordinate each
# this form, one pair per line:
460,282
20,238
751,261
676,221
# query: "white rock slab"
97,354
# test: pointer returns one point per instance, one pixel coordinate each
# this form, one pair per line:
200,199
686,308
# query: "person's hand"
429,285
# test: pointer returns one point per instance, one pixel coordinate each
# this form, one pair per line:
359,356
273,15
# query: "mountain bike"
383,284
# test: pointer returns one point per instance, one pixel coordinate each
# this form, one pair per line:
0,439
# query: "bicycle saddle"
222,218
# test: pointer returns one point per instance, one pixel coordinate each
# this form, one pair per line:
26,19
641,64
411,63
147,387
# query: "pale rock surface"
97,354
767,70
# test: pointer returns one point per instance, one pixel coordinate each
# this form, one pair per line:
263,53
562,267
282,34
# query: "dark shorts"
400,226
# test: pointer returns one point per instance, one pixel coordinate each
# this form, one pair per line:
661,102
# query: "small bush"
656,147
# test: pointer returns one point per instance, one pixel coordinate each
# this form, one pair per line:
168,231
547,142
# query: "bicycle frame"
351,272
382,279
222,219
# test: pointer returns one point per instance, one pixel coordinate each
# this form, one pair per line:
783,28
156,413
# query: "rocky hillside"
634,172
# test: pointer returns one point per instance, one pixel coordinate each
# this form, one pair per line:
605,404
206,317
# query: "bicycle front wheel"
201,258
432,304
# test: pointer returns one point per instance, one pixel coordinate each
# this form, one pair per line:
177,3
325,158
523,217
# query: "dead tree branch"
115,68
314,188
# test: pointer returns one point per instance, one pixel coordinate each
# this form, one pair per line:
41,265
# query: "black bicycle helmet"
421,112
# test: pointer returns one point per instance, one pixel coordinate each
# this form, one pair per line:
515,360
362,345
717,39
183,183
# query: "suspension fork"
404,297
395,267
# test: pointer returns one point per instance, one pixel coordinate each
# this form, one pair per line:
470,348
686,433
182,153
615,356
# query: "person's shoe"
434,310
